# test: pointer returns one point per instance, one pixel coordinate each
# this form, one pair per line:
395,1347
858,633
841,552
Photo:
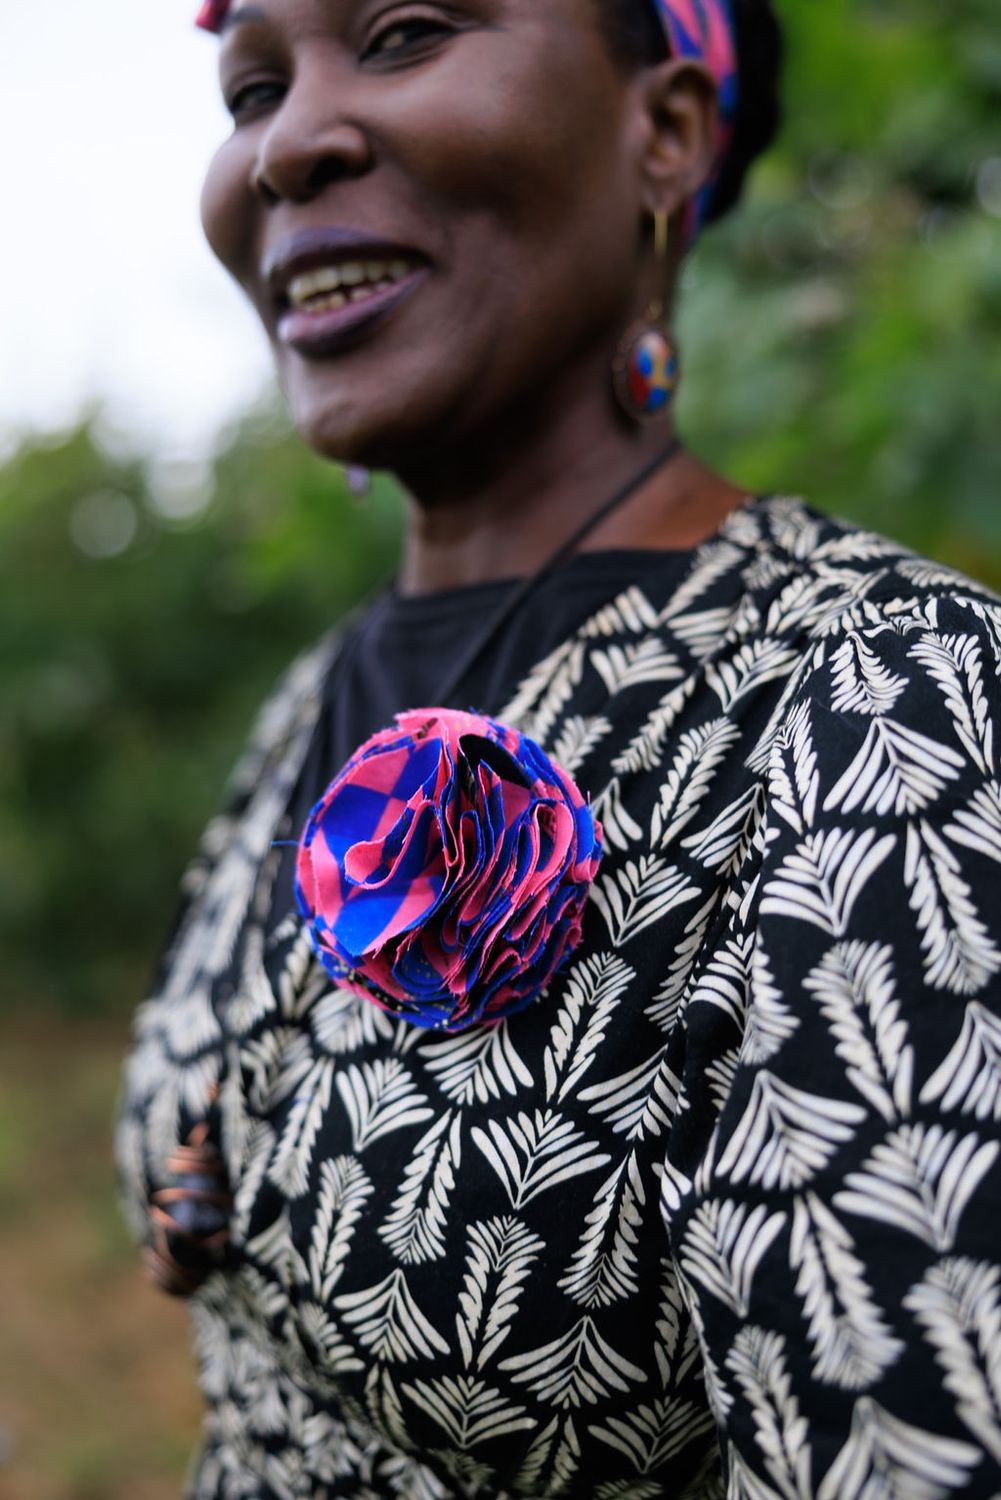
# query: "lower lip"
318,334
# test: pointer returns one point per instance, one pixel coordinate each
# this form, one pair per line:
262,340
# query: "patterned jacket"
718,1214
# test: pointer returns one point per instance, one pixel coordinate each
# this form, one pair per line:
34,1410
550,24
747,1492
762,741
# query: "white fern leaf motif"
671,1319
959,1306
666,1006
959,953
651,1436
345,1188
499,1261
919,1179
854,987
630,613
477,1065
786,1135
387,1320
324,1350
629,1490
639,1103
641,893
720,1075
897,772
805,601
532,1154
384,1410
743,1483
645,750
701,630
723,1247
698,757
468,1410
821,881
969,1078
577,739
863,684
590,996
725,981
712,561
581,1367
851,1343
758,1361
379,1098
724,843
649,660
792,771
555,1448
290,1169
603,1268
470,1474
414,1229
769,1022
955,664
888,1459
257,1152
749,668
978,825
273,1066
342,1022
546,691
619,828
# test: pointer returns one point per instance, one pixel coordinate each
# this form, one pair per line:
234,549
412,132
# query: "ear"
681,131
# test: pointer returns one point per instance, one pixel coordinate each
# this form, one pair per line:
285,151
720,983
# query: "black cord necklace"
527,586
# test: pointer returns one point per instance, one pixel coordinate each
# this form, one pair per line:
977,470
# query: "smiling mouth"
328,288
326,309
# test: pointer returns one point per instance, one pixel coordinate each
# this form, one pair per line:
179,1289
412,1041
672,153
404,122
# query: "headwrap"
700,29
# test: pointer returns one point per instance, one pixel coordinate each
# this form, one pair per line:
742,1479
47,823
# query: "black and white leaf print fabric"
719,1214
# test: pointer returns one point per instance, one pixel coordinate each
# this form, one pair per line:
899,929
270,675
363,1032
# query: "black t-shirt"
405,648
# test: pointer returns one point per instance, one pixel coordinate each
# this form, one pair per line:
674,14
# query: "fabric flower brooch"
443,874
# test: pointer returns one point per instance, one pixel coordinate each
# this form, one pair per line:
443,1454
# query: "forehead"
219,15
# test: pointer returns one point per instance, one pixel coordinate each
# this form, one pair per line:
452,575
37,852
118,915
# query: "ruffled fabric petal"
443,873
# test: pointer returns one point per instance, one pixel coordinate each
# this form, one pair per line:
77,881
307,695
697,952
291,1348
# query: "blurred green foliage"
842,340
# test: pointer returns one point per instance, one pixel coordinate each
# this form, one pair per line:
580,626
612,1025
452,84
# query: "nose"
309,142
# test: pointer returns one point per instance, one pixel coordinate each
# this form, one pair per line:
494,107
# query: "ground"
97,1393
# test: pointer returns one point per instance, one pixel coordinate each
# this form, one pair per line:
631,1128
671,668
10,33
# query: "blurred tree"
842,340
146,612
842,333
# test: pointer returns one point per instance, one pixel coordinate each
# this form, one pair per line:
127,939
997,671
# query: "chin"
372,429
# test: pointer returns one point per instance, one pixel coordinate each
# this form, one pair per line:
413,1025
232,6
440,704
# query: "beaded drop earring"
645,371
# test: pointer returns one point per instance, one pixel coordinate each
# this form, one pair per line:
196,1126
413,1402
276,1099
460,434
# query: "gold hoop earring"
646,370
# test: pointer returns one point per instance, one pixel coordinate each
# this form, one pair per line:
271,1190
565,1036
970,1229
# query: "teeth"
317,288
329,303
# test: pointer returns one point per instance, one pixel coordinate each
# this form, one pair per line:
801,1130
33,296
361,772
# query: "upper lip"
309,248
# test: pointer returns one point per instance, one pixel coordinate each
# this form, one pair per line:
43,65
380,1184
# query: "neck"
498,504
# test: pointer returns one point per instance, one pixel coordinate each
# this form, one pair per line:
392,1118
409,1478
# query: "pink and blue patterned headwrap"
700,29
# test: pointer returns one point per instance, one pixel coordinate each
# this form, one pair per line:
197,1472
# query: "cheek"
526,159
226,214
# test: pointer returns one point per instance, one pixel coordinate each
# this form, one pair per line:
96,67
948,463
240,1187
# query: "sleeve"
176,1061
837,1230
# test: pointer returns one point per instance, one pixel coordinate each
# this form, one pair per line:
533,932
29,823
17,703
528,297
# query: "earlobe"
682,107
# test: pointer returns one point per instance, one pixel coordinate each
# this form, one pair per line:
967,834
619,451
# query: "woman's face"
434,206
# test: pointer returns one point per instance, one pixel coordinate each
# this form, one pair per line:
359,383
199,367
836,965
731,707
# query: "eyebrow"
245,13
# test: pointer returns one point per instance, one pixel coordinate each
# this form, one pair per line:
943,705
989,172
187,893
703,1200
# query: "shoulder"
883,633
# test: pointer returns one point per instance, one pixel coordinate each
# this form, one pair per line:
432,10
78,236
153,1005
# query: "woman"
714,1213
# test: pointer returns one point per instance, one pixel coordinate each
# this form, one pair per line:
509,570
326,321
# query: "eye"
406,35
252,97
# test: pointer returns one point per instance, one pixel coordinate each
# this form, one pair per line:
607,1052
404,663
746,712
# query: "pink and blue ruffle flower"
444,872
